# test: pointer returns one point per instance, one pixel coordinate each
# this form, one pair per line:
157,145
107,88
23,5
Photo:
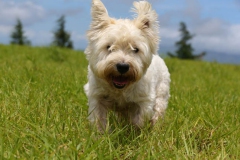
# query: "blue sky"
216,23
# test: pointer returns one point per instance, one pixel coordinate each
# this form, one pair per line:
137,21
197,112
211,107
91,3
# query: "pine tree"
61,37
18,36
185,49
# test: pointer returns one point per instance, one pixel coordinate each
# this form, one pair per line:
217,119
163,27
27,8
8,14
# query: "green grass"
43,111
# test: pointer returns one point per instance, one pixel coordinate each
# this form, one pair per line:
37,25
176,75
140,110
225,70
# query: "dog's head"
120,50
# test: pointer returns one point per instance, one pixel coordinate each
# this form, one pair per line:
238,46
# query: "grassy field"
43,111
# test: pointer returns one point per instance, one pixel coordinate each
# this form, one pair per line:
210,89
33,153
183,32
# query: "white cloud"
67,12
225,40
76,36
211,27
79,40
5,29
27,11
211,34
128,1
39,37
169,33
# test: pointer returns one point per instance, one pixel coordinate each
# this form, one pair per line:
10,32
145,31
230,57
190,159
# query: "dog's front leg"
97,113
136,115
141,113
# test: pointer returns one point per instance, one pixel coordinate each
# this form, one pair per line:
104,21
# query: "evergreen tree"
61,37
18,36
185,49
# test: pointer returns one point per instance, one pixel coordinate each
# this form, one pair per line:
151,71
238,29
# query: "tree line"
62,38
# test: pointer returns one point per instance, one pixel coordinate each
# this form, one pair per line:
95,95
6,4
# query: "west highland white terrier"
125,73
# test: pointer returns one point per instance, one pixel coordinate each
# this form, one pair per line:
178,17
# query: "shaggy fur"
125,73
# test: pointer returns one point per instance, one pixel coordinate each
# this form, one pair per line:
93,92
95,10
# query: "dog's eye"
108,47
136,50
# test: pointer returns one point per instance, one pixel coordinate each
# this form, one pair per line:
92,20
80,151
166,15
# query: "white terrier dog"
125,73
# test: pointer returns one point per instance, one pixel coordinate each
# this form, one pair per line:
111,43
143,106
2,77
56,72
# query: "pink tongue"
120,80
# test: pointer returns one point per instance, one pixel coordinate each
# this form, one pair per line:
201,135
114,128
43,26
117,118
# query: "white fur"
111,41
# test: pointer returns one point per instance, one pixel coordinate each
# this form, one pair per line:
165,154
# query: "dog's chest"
122,104
126,100
120,100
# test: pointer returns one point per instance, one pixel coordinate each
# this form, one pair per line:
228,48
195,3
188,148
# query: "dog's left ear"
99,13
147,20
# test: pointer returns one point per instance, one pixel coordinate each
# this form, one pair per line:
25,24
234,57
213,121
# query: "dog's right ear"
100,16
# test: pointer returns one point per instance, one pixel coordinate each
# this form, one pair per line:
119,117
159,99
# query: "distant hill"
212,56
222,58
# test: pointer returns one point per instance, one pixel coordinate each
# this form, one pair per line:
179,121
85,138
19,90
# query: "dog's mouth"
120,81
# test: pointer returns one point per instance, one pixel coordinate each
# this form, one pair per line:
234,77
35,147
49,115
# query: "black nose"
122,67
